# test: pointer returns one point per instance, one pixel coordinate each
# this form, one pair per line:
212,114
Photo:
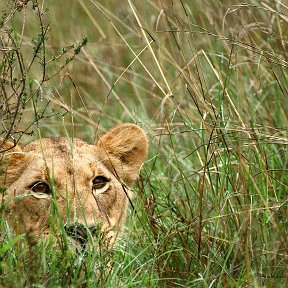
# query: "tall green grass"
207,80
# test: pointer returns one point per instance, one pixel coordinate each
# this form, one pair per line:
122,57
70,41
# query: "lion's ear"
123,150
12,159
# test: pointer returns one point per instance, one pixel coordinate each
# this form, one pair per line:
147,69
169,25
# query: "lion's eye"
40,187
100,184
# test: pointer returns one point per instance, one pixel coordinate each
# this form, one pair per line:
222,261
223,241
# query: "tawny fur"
70,168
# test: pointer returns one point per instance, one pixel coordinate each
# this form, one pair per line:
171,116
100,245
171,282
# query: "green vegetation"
208,82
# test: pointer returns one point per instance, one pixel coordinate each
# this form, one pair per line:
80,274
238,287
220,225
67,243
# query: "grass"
207,80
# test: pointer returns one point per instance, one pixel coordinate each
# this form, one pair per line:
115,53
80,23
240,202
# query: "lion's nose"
79,232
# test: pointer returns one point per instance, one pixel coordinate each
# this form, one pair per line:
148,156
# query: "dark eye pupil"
99,182
40,188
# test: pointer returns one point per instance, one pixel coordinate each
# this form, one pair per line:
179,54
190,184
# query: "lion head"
87,185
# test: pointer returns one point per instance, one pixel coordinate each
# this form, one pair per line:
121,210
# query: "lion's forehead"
63,154
60,146
65,159
85,166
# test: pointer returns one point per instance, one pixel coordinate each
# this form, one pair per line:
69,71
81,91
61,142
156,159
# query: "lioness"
88,183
